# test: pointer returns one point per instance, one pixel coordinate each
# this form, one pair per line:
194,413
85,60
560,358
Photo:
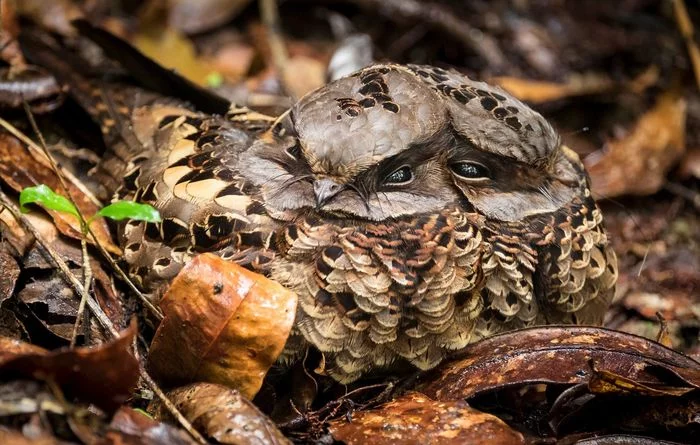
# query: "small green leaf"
42,194
130,210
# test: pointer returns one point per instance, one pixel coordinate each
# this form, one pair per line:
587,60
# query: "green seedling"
43,195
119,210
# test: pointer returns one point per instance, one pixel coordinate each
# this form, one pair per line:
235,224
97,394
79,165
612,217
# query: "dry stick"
34,147
87,270
685,26
439,17
97,311
271,19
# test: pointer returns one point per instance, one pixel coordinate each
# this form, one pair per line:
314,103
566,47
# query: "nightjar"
412,209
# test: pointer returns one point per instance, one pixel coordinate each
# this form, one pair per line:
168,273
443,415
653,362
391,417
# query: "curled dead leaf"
224,415
638,163
104,375
556,355
602,382
416,419
222,324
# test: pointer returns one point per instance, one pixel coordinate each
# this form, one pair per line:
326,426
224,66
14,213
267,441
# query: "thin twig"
87,270
270,16
97,311
685,26
87,281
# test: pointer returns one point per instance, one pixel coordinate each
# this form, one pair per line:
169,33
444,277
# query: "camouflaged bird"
412,209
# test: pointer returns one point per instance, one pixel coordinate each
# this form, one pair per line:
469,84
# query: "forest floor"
619,80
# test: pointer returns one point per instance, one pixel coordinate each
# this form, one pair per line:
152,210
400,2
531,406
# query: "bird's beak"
326,189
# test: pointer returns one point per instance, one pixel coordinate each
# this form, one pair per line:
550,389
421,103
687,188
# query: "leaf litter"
580,63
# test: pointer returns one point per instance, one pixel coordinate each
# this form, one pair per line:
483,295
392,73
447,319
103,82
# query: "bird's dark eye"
294,151
402,175
470,170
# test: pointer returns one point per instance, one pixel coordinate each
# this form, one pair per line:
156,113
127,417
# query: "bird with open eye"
412,209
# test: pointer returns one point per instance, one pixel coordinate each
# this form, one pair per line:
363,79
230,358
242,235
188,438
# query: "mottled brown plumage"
412,209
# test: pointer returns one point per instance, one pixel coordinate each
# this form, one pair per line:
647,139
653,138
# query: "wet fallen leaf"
202,15
104,375
637,164
554,355
223,324
11,348
416,419
224,415
20,169
129,426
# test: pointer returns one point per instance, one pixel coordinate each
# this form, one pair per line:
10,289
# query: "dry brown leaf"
171,49
638,163
224,415
223,324
416,419
536,91
20,169
104,375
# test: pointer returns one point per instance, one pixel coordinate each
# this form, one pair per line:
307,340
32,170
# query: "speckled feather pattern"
387,277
